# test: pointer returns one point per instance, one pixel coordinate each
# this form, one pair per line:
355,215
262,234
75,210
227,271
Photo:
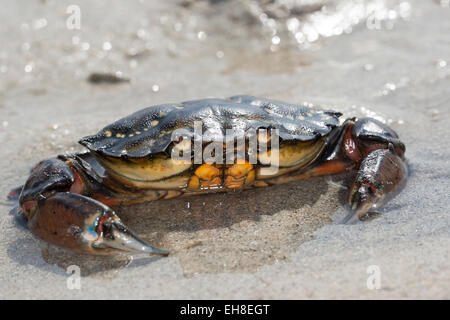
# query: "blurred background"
68,68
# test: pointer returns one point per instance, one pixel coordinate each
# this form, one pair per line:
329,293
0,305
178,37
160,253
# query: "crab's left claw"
116,235
82,224
382,174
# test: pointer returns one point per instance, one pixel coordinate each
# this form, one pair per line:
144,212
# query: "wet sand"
282,242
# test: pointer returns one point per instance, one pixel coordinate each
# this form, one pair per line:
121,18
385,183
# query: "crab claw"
115,235
382,174
82,224
362,200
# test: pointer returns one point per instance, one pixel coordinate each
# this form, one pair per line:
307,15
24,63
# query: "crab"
67,200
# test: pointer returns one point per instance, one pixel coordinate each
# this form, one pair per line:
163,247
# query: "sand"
285,242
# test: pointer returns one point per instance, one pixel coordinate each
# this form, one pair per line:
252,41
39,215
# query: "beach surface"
386,59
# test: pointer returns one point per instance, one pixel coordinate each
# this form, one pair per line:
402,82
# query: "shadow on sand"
223,232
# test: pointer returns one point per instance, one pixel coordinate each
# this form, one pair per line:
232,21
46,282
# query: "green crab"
158,153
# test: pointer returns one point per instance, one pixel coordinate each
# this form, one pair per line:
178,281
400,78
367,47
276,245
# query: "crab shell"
136,149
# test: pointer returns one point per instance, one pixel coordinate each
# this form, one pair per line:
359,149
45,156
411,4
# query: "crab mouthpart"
115,235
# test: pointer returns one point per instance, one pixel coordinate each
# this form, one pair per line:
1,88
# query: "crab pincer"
382,174
74,221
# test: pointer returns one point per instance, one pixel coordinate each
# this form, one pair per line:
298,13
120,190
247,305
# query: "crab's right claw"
381,176
82,224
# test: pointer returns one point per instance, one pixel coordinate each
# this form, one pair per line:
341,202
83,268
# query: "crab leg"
74,221
327,168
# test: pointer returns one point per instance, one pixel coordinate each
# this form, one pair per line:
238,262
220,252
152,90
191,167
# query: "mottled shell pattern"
149,131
